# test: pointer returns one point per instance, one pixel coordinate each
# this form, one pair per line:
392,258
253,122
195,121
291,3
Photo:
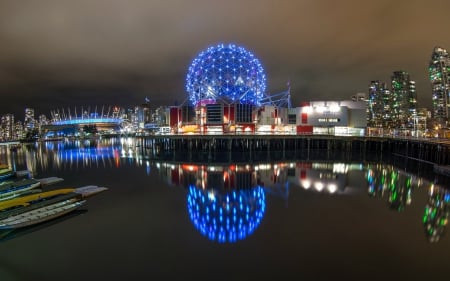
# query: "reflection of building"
227,202
436,214
391,181
222,178
325,177
226,217
73,154
397,186
317,176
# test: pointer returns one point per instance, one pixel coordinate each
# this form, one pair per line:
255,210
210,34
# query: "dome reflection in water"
226,217
226,203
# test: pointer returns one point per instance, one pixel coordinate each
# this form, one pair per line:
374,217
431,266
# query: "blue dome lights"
226,218
226,73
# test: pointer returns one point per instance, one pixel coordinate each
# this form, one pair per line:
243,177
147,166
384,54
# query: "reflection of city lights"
435,218
340,168
226,218
332,188
305,183
318,185
263,167
211,195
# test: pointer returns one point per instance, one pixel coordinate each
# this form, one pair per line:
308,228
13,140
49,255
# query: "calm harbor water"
300,219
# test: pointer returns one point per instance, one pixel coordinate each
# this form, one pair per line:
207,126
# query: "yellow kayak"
26,200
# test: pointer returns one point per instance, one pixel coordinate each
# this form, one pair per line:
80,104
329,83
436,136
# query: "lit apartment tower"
379,105
159,116
439,71
18,130
117,112
7,127
29,122
404,100
43,120
143,114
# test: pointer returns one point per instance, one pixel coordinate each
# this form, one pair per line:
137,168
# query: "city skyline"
62,54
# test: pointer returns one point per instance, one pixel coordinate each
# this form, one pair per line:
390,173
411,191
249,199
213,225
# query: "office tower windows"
439,71
379,105
404,100
29,122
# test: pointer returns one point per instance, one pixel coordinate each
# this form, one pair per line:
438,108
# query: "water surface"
298,220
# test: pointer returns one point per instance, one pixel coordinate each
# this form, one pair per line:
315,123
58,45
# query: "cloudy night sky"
59,54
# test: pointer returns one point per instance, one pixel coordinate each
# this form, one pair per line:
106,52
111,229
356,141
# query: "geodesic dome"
226,73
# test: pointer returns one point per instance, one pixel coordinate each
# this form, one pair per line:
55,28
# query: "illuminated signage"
329,120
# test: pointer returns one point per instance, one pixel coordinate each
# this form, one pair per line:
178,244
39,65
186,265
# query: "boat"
44,206
11,189
6,172
8,234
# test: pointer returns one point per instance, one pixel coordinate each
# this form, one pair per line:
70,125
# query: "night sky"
59,54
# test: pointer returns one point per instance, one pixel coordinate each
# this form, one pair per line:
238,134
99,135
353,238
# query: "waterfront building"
160,116
421,122
143,115
42,120
87,122
346,117
29,121
18,130
225,85
379,105
404,100
439,70
7,127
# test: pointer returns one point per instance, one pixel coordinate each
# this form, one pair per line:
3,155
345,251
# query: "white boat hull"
41,214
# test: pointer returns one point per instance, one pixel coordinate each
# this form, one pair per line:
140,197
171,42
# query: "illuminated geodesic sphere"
226,73
226,218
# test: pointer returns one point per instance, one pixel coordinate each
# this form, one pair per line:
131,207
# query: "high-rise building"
29,122
379,105
143,114
18,130
7,127
404,100
439,71
43,120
